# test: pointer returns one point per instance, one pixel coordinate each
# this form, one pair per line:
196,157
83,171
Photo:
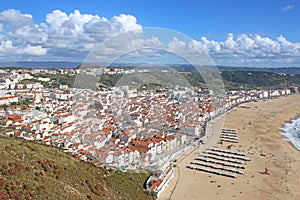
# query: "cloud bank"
71,37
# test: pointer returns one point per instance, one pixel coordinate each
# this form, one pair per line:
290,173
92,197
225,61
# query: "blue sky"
271,23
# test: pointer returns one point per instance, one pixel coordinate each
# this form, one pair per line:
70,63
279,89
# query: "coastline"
291,133
259,137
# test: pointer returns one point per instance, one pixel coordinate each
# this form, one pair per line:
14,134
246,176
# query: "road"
210,139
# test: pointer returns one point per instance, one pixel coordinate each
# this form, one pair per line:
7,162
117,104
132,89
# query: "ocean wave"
291,132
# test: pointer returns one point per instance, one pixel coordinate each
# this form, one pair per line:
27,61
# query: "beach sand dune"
258,126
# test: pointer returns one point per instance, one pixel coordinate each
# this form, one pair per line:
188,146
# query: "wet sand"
258,125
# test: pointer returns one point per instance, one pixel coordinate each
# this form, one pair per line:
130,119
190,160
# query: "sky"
231,32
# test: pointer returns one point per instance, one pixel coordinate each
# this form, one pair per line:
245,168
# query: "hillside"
32,171
285,70
176,67
256,79
234,80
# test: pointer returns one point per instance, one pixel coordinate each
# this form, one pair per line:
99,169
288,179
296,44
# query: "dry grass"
32,171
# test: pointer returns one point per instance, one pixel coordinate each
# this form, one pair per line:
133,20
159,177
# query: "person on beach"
266,171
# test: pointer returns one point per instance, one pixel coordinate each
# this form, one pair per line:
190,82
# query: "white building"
8,100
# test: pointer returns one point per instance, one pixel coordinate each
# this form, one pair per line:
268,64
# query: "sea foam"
291,132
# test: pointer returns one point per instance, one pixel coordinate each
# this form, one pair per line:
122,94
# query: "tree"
4,106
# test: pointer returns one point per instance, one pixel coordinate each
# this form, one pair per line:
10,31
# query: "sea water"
291,132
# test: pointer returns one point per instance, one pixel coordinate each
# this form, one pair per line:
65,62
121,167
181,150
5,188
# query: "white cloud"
56,18
210,45
176,45
14,18
5,45
62,33
9,50
252,48
73,36
288,7
229,43
127,22
35,50
153,42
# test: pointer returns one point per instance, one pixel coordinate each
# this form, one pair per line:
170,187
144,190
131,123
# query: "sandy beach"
258,125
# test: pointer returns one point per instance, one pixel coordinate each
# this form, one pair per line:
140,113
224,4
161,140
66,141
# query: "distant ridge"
177,67
284,70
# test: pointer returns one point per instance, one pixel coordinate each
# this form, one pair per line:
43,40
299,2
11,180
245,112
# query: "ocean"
291,132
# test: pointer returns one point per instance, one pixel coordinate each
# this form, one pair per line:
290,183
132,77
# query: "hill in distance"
33,171
177,67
